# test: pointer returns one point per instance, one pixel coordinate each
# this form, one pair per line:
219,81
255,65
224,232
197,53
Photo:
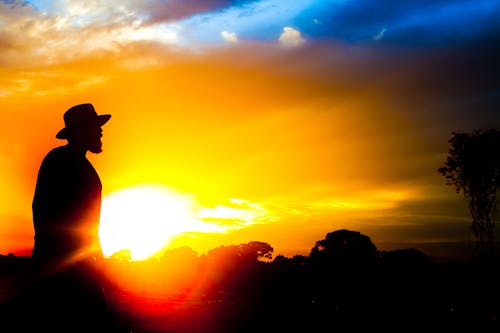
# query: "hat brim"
101,120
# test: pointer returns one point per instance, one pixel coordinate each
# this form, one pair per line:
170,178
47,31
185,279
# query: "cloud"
77,31
411,22
235,214
260,20
380,35
291,37
68,30
152,10
229,36
161,11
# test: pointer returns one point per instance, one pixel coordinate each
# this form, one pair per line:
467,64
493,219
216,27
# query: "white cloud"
235,214
90,12
380,35
291,37
75,30
162,33
229,36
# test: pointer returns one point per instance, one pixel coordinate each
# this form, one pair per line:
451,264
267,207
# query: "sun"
142,219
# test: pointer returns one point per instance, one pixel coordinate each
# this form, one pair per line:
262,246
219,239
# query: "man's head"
83,127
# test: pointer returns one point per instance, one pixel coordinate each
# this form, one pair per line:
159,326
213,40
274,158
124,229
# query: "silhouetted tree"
256,251
252,251
473,167
233,267
183,253
344,246
405,258
281,259
223,255
297,259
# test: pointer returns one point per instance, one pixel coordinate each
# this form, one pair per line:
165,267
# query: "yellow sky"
317,145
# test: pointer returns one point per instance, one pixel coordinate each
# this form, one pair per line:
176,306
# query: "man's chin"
96,150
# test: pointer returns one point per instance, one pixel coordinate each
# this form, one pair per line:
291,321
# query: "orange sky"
316,156
314,138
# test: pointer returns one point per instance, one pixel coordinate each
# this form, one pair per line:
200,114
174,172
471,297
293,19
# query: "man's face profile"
94,139
89,137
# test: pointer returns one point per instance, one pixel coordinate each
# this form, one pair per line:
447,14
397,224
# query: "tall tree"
344,247
473,167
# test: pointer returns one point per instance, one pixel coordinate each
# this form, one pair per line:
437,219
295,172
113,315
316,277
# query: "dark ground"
445,297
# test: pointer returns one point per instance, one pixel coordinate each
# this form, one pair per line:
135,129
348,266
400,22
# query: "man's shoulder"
57,151
57,154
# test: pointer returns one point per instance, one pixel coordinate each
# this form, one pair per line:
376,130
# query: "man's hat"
81,115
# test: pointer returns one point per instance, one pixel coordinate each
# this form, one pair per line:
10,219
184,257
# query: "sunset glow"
249,166
142,219
238,121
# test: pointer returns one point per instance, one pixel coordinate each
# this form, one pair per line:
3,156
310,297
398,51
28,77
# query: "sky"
280,120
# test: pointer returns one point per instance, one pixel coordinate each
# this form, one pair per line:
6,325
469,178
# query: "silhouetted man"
66,208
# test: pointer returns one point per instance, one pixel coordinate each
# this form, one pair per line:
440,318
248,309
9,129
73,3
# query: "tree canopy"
344,246
473,167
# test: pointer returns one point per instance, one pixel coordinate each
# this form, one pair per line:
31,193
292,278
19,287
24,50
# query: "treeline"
244,267
344,279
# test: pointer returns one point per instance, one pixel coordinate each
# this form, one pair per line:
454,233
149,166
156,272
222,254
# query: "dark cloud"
409,23
447,83
160,11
